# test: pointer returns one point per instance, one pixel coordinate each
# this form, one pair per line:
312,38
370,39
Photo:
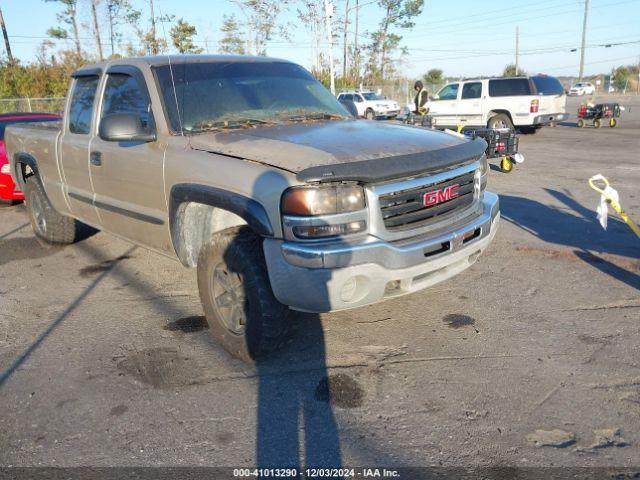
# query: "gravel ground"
528,359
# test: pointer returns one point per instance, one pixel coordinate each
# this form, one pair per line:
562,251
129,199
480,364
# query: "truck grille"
406,208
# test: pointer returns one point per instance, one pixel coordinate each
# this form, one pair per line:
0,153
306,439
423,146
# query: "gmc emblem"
438,196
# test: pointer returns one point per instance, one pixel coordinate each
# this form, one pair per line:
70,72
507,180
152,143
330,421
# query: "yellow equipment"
611,198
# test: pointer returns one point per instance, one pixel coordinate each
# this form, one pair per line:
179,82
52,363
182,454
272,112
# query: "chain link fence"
48,105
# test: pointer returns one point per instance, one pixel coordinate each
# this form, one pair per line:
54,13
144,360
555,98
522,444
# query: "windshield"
217,95
373,96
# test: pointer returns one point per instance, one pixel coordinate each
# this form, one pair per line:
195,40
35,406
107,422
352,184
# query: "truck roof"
160,60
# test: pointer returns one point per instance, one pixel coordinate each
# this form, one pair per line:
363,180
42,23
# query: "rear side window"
548,85
509,87
472,90
122,94
81,107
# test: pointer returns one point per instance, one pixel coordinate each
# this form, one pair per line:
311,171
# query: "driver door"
443,107
127,176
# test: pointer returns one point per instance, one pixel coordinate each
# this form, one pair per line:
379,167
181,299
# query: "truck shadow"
295,428
577,227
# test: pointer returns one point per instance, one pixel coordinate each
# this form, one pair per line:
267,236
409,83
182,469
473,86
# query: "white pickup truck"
523,102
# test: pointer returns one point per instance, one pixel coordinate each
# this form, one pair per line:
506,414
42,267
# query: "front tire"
500,120
369,114
47,224
244,316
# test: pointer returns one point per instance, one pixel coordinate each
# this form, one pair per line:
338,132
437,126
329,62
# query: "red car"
8,192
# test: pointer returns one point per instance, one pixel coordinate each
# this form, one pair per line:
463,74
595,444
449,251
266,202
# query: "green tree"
231,41
620,77
262,22
182,34
397,15
69,17
433,76
510,71
119,13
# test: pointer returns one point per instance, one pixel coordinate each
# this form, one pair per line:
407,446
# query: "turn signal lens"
311,201
319,231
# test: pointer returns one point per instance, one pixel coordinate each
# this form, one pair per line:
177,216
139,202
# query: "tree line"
87,31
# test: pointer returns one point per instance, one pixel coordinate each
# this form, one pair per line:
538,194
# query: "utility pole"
584,37
154,42
356,52
328,13
344,40
6,38
517,51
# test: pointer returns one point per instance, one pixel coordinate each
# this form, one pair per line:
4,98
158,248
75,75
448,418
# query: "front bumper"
550,118
323,278
387,113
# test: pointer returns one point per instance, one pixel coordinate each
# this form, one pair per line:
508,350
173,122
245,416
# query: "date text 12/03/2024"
316,473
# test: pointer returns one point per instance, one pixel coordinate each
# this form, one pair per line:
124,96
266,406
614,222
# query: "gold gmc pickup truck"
249,170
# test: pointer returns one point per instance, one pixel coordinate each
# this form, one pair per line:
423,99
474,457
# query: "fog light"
321,231
349,290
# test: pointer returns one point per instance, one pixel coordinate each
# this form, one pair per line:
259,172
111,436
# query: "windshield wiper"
315,116
208,125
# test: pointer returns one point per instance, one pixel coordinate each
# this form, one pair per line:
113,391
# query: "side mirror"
435,96
124,127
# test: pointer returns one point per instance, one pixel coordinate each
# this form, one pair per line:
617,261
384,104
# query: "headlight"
329,200
5,169
325,211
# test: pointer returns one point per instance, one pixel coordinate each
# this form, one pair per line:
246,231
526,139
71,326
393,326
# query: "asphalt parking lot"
105,358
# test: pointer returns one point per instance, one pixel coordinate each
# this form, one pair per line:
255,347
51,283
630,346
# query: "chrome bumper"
328,277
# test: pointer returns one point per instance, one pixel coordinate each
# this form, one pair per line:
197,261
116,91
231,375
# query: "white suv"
582,88
371,105
499,103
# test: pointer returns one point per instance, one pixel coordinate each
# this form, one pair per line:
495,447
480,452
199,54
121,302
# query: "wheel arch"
498,111
25,165
196,212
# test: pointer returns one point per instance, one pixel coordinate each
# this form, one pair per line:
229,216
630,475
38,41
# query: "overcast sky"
463,37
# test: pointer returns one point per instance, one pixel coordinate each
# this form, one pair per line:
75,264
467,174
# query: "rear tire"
580,123
244,316
47,224
612,122
597,123
500,120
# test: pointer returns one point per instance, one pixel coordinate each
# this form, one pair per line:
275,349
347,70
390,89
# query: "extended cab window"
122,94
472,90
81,107
448,92
509,87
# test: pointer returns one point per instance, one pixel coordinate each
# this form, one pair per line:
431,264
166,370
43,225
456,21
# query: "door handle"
96,158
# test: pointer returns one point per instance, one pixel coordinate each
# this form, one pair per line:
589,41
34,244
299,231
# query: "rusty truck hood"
299,146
